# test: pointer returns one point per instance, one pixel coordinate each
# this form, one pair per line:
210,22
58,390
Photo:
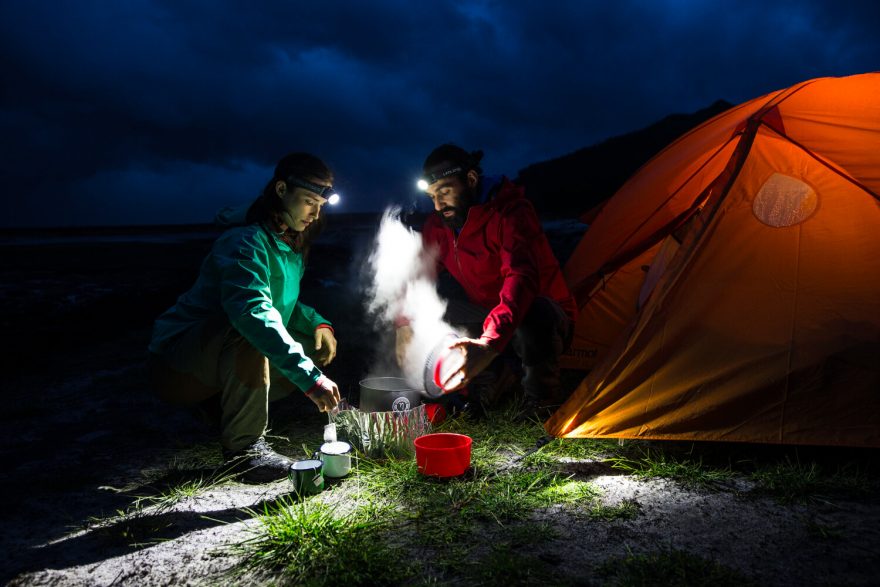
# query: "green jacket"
253,278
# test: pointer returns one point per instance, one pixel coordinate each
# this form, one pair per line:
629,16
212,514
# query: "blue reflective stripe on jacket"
253,278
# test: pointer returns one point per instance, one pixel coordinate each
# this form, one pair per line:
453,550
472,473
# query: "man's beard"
456,221
460,212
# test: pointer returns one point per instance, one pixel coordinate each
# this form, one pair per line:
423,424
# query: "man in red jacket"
489,240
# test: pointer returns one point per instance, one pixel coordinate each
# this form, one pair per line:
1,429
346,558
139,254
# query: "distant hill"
572,184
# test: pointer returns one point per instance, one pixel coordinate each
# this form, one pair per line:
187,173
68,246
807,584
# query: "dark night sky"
141,112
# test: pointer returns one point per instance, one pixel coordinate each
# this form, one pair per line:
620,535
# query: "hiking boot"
258,463
473,409
466,403
454,404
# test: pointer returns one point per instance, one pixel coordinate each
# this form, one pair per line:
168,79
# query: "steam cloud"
403,288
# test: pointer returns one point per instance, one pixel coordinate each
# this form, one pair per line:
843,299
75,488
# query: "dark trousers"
539,341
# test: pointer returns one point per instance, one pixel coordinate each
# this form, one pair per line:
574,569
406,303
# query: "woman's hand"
325,345
324,394
477,356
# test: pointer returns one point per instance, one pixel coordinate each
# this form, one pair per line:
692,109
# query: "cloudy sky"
163,111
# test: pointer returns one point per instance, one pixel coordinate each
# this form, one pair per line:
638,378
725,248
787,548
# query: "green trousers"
214,358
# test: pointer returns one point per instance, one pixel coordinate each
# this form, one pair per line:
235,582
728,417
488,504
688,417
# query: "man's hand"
403,337
325,394
477,356
325,345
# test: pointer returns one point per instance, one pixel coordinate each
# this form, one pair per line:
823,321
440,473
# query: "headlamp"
429,178
325,191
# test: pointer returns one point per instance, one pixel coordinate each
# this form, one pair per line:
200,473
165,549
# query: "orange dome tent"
730,290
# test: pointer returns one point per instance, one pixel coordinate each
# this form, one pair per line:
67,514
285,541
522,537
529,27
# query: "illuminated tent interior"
730,290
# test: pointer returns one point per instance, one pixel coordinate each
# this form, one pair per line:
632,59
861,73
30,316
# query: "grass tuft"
795,482
674,567
646,462
625,510
829,532
178,485
313,546
504,566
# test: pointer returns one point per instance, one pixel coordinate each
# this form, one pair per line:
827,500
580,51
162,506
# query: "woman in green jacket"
241,332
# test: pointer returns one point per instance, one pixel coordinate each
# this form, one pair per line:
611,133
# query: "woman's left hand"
325,346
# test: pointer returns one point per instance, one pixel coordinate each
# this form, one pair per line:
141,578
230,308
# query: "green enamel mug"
307,476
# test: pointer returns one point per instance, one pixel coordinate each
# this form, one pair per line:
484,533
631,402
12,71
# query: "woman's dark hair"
449,154
267,208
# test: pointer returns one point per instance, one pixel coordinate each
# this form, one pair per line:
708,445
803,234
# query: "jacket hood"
498,195
500,191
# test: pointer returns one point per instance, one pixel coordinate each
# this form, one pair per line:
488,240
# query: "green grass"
483,494
504,566
388,500
484,527
674,568
312,545
173,492
646,462
626,510
580,449
822,531
189,473
791,481
133,529
499,430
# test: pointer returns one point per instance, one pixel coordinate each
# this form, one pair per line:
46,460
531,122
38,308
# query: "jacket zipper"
455,253
455,244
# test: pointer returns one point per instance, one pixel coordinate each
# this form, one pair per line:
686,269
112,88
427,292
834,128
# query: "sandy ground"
82,435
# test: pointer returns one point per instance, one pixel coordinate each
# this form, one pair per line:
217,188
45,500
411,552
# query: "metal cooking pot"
388,394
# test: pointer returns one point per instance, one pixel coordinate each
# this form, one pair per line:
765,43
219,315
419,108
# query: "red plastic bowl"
443,454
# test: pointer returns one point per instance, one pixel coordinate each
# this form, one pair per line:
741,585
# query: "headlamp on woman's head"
426,180
325,191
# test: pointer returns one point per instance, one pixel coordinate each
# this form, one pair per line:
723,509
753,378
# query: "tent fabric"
762,323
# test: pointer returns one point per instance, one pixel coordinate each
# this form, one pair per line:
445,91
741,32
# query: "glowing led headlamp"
325,191
429,178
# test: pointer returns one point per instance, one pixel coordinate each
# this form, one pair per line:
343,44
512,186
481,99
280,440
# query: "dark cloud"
131,112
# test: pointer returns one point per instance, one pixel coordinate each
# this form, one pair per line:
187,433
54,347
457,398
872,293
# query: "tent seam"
824,163
619,258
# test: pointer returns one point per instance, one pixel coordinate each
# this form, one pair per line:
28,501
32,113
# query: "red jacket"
502,259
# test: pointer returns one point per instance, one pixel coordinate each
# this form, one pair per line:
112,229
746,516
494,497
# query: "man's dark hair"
450,155
267,207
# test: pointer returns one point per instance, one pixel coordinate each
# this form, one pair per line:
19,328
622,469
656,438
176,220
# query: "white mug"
336,457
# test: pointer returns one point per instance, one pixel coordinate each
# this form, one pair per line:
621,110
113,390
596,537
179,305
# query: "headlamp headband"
325,191
438,175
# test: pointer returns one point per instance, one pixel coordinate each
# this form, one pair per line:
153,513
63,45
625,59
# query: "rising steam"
403,289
